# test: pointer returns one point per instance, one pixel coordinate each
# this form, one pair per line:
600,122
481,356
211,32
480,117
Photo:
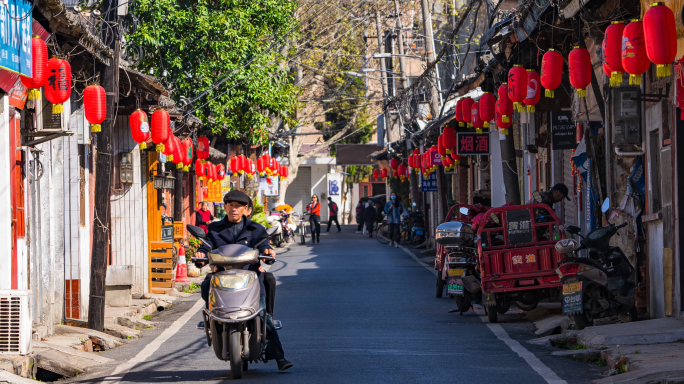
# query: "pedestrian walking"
332,206
203,216
370,216
394,208
314,208
360,211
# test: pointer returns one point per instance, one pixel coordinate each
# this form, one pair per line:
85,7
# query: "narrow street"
357,311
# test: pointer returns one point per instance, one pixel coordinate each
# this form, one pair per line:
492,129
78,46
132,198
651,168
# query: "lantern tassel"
34,94
169,158
549,93
486,124
504,131
505,118
448,151
530,109
616,79
95,128
143,145
57,108
460,124
186,168
634,79
582,92
517,106
663,70
478,131
160,147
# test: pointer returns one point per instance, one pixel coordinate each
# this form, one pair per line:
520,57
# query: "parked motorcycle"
416,221
233,321
601,285
287,228
277,238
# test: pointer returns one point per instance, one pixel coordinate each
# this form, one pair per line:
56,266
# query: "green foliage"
147,317
202,41
259,214
194,243
358,173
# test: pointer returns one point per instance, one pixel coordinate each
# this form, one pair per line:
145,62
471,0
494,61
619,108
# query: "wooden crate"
161,266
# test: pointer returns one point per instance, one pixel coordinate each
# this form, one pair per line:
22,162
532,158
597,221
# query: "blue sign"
333,188
429,185
16,25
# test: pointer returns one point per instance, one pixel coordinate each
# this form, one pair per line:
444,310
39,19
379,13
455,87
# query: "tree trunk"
103,179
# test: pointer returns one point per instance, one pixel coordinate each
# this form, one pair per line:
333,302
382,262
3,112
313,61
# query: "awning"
356,154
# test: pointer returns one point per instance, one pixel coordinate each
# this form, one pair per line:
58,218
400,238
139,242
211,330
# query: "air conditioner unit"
15,322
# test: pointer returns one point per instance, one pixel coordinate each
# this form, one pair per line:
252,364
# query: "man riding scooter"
236,228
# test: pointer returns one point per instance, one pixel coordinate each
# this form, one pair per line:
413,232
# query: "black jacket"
371,215
220,235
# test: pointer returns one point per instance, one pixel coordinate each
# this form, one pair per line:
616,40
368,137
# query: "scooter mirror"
271,230
566,245
196,231
573,230
606,205
463,211
537,197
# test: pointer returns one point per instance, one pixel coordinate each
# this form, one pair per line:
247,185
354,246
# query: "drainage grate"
10,321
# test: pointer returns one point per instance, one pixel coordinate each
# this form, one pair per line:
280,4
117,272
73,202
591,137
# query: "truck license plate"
456,272
572,288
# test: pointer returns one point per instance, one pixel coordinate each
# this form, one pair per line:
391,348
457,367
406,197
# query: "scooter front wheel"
235,345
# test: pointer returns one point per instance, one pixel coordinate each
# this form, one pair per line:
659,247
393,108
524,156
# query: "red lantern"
612,51
467,110
394,164
440,147
286,172
169,149
449,138
58,86
634,58
221,172
661,37
160,128
401,170
476,121
200,169
178,155
234,165
448,163
211,171
95,106
376,174
260,165
517,86
579,62
187,152
504,105
203,148
383,173
140,127
459,112
503,125
551,71
39,68
487,108
533,90
456,158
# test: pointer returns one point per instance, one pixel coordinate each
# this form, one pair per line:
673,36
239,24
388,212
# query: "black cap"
560,187
239,197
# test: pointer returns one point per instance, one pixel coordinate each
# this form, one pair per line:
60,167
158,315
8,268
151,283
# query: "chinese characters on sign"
270,185
429,184
472,143
16,25
214,193
519,227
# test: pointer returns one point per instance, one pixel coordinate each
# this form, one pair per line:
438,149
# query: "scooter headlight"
237,281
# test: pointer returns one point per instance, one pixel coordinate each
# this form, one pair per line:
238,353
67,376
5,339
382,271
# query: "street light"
354,74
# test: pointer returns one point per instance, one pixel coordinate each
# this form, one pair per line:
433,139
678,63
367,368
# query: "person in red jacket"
314,208
203,217
332,206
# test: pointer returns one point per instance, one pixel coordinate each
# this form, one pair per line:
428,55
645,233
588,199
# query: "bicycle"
382,232
302,227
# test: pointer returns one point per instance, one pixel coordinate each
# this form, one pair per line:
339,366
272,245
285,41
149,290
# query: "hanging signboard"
435,158
16,25
333,188
18,95
429,184
214,193
469,144
563,130
519,226
270,185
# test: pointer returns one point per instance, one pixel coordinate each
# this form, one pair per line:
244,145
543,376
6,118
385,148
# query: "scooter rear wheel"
235,347
440,286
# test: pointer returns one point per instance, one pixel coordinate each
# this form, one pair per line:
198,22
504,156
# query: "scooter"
277,238
233,321
601,285
288,229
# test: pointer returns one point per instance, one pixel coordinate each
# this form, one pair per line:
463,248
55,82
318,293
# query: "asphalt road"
357,311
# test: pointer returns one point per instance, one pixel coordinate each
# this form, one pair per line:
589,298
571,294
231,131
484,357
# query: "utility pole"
381,49
103,177
400,44
430,48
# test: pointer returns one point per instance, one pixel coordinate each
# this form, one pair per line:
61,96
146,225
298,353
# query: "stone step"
100,339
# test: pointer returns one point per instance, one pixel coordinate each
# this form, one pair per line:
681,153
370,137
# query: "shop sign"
18,94
429,184
16,25
214,193
333,188
563,130
519,227
435,158
167,233
469,144
272,188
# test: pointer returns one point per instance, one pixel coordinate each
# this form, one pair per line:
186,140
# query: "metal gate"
299,192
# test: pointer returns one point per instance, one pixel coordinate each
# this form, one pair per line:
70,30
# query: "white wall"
5,200
498,195
319,186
